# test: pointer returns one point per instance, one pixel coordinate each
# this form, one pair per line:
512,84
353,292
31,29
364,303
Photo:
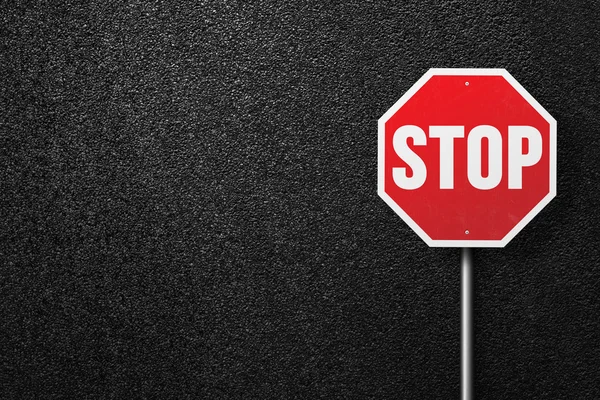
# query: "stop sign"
467,157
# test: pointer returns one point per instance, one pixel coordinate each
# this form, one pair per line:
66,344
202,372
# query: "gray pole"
466,331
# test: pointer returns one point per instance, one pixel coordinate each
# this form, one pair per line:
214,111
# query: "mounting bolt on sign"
467,157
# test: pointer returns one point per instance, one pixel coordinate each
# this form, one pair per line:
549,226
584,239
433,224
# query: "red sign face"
467,157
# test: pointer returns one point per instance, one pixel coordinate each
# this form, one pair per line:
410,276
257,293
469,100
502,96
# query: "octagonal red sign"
467,157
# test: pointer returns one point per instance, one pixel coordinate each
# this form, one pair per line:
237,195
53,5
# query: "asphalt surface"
189,206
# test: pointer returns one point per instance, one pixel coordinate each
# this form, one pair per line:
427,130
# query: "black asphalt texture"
189,204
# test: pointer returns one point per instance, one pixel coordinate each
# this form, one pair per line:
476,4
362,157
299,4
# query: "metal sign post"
466,329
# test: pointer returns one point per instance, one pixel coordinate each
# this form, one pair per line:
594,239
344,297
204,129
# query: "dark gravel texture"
189,204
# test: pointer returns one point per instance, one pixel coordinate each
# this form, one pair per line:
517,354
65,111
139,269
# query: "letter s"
409,157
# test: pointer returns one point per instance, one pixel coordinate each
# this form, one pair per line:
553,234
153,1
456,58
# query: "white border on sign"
381,157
